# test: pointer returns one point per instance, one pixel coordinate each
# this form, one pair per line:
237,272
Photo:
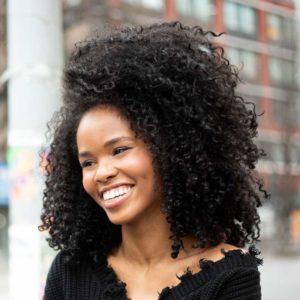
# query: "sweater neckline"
114,288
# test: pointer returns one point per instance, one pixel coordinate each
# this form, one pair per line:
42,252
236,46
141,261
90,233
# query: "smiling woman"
150,184
117,169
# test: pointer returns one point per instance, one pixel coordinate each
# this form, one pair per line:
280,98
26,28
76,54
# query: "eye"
86,163
120,150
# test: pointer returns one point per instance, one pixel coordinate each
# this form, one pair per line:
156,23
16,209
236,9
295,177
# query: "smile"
116,192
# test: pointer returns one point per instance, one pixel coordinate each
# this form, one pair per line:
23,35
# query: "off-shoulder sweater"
235,276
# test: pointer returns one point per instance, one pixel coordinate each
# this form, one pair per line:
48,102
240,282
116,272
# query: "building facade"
260,39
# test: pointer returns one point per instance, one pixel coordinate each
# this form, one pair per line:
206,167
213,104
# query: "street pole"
35,59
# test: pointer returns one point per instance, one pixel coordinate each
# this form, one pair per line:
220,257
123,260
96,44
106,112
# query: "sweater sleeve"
240,284
53,288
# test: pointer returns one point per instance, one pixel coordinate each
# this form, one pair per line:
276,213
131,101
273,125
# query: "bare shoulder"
216,253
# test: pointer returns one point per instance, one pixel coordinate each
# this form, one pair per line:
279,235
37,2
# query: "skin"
126,161
143,225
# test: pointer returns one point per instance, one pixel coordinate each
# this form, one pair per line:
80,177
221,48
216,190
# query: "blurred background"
36,38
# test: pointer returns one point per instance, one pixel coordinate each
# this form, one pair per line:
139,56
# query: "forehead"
103,122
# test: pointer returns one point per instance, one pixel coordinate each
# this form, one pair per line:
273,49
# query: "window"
240,19
251,103
280,30
281,71
202,10
246,61
151,4
296,111
274,151
279,111
295,153
73,2
256,102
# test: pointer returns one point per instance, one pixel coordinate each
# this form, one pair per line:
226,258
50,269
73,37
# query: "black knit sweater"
236,276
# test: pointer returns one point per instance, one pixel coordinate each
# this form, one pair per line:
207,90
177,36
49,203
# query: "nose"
105,171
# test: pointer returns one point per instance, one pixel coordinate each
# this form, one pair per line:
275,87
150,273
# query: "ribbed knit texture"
236,276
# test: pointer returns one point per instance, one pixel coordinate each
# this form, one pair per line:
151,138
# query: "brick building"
261,40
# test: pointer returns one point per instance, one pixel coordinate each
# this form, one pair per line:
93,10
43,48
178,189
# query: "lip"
109,204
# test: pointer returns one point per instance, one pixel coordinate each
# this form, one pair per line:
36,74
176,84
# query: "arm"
53,288
240,284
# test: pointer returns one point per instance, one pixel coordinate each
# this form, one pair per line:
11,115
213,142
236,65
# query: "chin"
119,218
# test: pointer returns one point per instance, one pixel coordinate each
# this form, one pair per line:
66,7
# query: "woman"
150,190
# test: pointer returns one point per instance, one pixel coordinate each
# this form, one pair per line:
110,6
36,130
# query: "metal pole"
35,59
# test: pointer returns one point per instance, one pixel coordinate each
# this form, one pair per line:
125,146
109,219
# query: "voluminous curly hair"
177,90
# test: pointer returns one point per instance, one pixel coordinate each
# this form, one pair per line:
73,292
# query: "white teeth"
116,192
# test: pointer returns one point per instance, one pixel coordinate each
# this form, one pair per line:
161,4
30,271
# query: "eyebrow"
107,144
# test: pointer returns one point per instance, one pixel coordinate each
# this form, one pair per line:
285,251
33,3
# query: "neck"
147,243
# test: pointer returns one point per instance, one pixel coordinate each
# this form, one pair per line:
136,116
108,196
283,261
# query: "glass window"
295,153
279,111
240,19
73,2
251,103
275,69
273,27
231,16
278,152
296,111
151,4
131,1
246,61
249,61
273,150
281,71
234,56
247,19
184,7
280,30
202,10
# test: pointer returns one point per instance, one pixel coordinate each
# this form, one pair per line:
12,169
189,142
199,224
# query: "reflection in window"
245,60
273,29
280,30
240,18
199,9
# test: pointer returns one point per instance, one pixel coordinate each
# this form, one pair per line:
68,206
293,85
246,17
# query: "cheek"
139,166
87,183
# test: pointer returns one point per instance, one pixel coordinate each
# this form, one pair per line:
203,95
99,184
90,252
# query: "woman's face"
117,168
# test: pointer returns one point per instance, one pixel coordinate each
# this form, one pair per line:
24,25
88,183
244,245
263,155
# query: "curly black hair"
177,89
